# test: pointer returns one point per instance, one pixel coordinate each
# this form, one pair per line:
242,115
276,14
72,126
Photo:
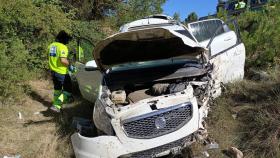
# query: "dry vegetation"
39,133
248,116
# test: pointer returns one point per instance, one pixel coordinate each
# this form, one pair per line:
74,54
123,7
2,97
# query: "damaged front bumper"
96,147
123,146
114,147
111,147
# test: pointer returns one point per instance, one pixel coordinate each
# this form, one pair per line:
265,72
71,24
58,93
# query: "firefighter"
60,66
240,5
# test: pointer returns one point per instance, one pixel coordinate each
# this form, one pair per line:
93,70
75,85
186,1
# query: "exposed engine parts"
159,89
166,88
176,87
128,95
118,97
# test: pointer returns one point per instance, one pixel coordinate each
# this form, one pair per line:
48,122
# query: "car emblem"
160,122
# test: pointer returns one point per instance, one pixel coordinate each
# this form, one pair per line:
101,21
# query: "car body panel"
88,82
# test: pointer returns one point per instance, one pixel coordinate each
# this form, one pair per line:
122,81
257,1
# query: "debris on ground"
16,156
204,149
84,126
212,145
233,152
205,154
20,116
234,116
37,113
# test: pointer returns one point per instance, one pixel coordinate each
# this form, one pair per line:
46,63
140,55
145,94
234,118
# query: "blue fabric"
62,82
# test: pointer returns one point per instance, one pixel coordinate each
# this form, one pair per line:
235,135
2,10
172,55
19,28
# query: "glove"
72,68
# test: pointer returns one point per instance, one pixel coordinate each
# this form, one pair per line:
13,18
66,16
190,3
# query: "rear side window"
204,30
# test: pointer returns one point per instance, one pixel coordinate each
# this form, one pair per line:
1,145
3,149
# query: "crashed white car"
151,84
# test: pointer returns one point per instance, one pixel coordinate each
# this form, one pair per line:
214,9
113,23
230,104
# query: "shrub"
261,35
13,68
26,29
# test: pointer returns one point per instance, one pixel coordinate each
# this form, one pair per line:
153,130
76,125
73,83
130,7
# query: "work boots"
60,98
56,101
66,98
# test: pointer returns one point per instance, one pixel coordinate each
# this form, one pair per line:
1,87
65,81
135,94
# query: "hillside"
247,114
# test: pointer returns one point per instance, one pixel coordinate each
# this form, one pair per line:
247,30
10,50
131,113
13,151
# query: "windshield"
204,30
154,63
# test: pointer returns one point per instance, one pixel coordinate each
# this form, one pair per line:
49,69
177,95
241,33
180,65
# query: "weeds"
257,106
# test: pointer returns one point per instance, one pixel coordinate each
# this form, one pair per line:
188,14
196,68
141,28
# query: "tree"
176,16
191,17
122,10
92,9
135,9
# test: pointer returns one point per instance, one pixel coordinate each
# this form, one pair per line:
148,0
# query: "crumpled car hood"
144,45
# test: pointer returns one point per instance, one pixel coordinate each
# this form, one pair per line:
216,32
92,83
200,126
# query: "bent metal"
151,84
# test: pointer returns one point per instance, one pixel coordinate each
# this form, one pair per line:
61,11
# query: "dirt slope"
40,133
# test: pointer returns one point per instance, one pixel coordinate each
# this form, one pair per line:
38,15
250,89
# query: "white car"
151,84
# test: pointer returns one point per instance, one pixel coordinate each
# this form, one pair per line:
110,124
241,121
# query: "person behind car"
240,5
81,53
59,66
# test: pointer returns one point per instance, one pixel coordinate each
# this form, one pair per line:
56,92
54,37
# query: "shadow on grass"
63,120
35,96
81,108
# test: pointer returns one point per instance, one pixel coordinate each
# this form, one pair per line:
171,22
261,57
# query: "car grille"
151,153
144,126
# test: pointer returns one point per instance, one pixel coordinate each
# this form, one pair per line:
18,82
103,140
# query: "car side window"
204,30
84,51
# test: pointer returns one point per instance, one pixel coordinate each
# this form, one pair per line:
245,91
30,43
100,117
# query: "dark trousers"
61,82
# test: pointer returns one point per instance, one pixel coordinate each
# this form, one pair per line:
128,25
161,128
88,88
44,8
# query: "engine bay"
132,93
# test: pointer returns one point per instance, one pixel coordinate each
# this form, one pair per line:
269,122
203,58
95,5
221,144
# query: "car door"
88,76
226,51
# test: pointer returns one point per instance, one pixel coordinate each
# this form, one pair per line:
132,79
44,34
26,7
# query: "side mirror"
91,66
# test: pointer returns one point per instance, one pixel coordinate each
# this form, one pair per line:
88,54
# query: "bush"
35,24
26,29
13,68
261,34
